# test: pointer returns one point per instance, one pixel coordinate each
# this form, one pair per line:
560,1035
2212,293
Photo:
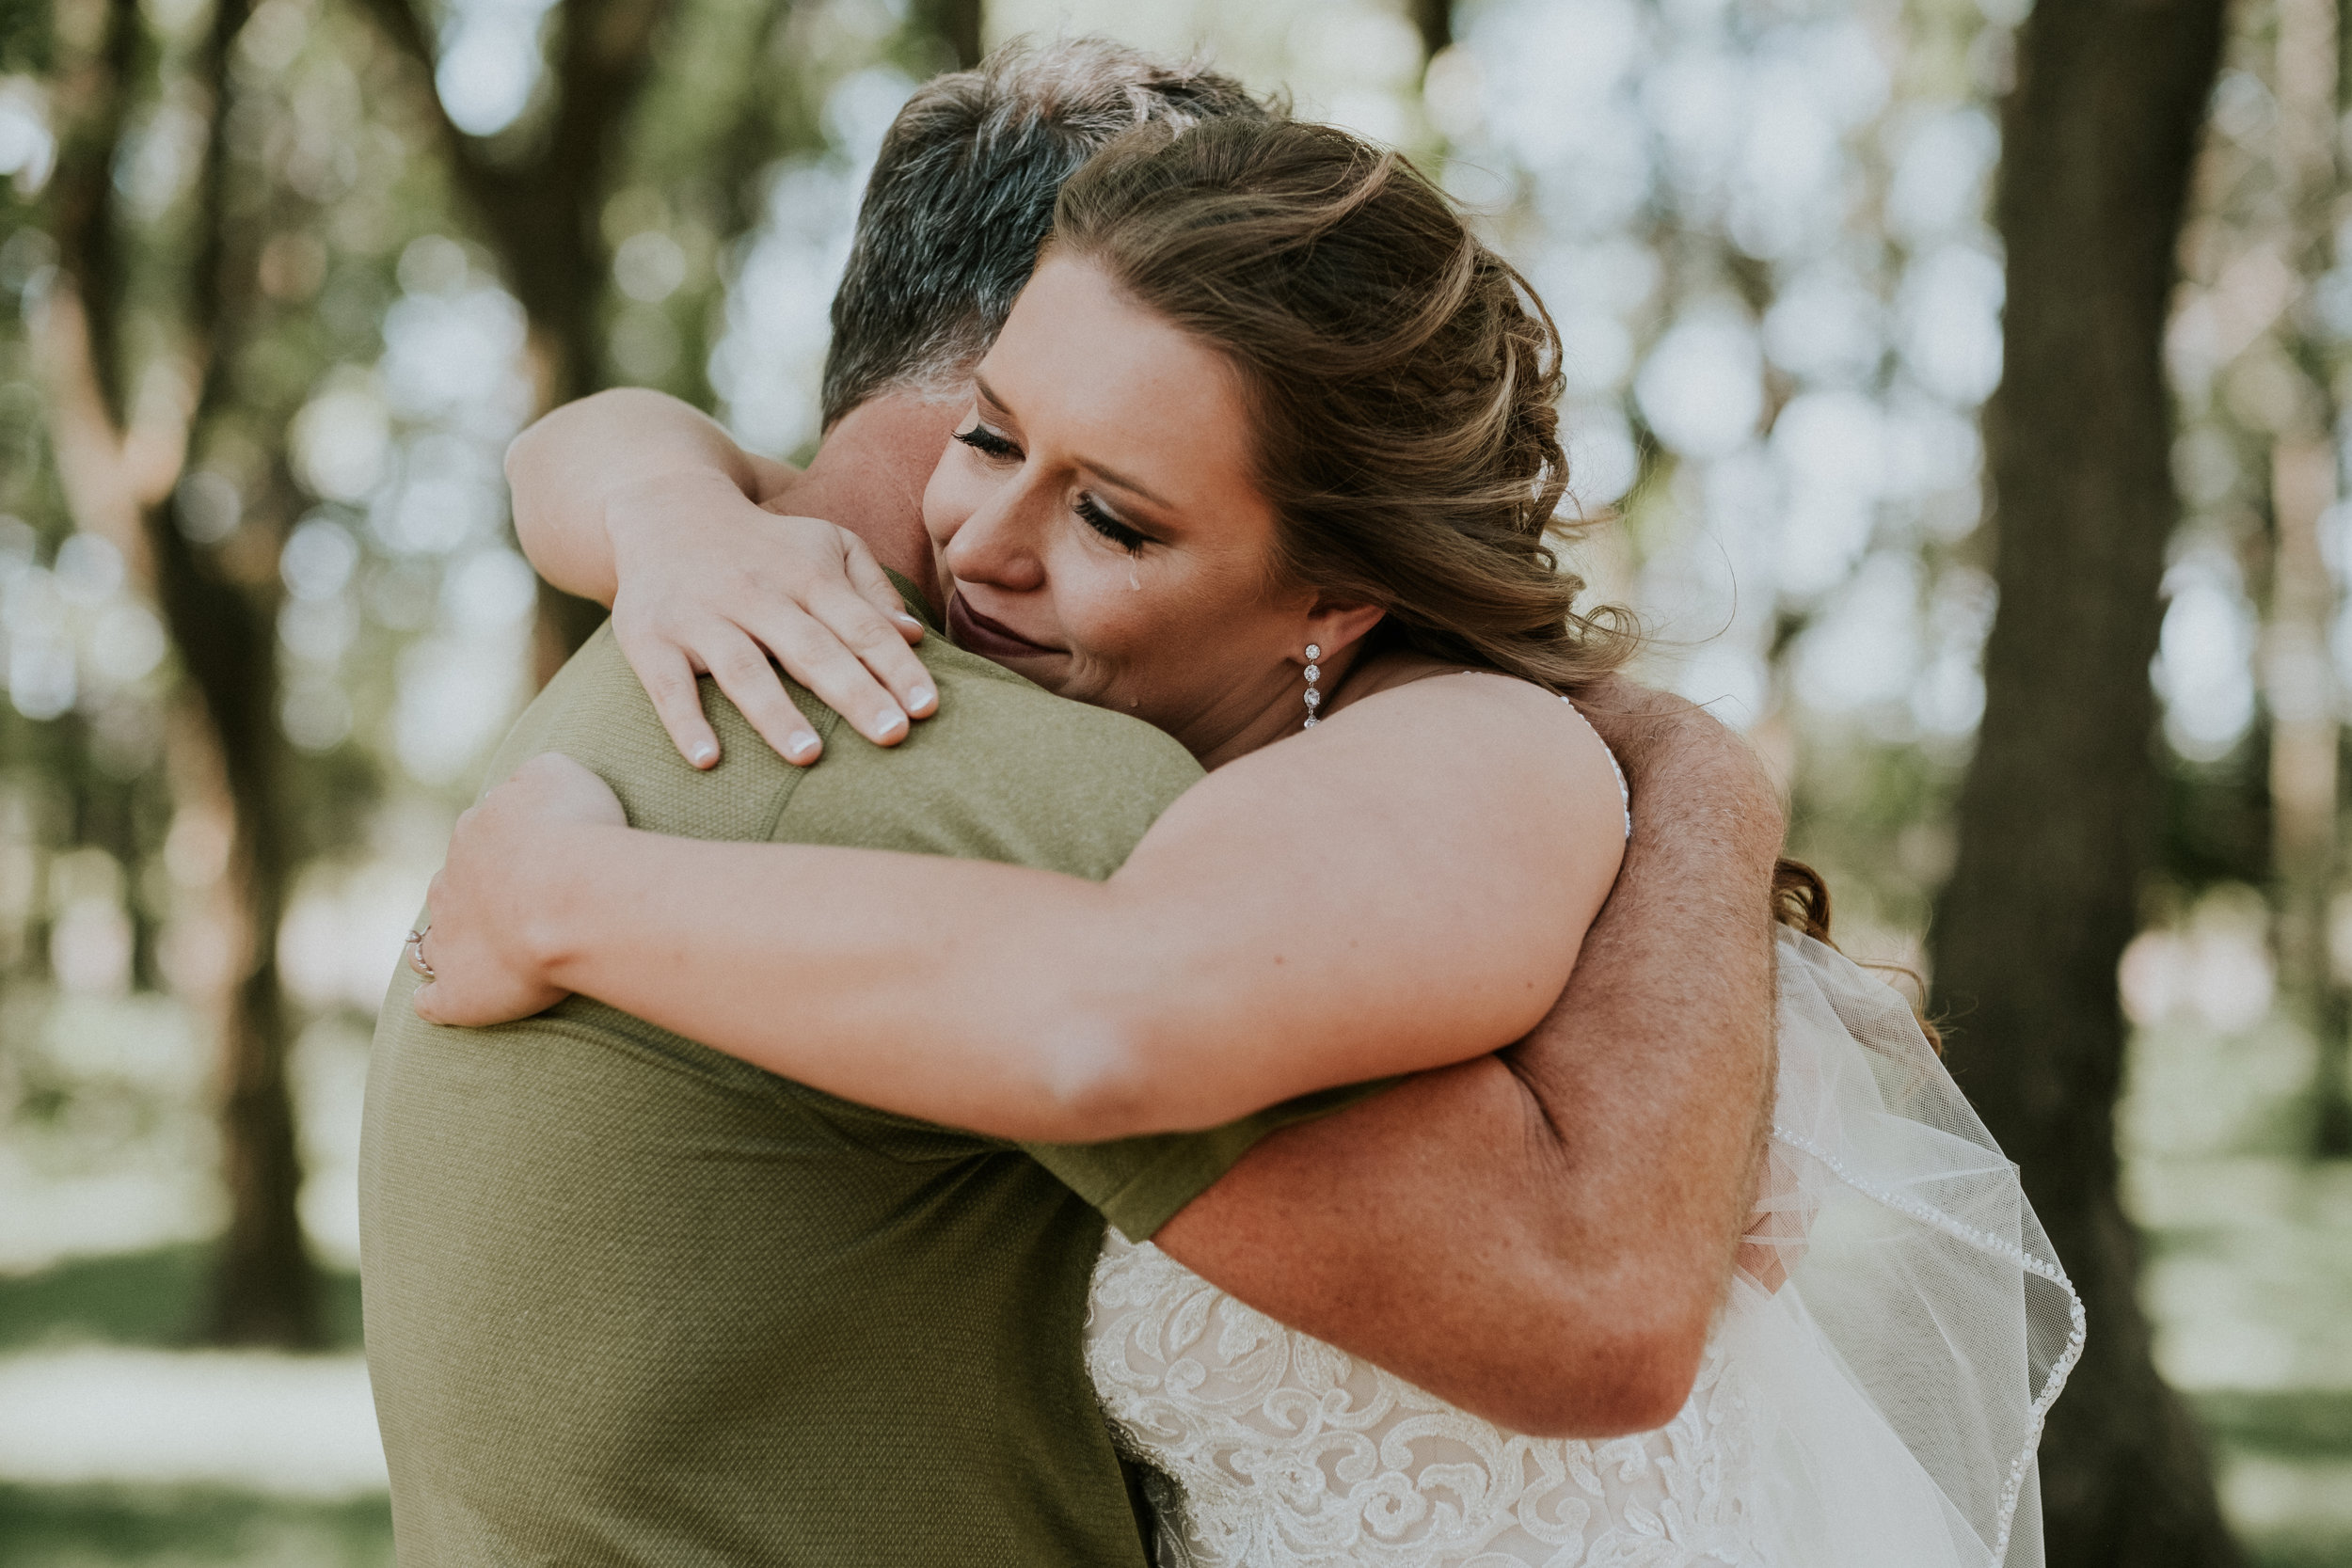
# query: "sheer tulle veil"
1879,1409
1938,1310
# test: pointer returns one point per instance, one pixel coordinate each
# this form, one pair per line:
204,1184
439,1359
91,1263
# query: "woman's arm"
636,501
1544,1236
567,470
1402,887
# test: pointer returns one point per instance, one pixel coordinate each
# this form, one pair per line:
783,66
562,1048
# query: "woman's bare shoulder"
1516,731
1499,778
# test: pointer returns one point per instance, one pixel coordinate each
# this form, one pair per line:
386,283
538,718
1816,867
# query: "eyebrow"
1111,474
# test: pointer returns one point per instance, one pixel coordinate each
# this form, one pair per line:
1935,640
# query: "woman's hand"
710,583
483,952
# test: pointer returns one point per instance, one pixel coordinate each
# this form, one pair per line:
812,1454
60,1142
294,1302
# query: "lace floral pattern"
1881,1405
1289,1453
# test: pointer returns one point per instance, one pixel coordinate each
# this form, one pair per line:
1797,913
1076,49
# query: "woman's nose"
996,543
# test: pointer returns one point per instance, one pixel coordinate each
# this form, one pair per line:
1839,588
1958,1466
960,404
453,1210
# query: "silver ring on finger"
416,955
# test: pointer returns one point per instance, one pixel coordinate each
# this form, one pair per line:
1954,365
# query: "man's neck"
868,476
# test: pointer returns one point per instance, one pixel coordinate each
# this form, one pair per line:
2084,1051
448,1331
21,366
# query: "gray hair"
962,195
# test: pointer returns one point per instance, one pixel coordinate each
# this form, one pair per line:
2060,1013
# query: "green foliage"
25,42
2216,816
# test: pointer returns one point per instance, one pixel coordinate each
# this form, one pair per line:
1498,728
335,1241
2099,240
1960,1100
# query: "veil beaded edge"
1879,1407
1909,1240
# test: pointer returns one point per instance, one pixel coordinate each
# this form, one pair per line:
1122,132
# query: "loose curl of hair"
1402,379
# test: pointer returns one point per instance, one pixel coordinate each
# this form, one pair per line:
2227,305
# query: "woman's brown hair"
1403,382
1402,379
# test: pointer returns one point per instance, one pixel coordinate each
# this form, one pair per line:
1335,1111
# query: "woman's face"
1095,522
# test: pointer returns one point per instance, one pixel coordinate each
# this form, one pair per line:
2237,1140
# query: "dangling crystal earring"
1314,674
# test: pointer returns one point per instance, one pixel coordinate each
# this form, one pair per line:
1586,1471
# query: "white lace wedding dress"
1880,1410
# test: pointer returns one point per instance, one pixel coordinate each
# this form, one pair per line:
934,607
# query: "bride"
1267,455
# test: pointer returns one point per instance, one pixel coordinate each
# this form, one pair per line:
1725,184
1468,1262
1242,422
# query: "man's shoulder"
596,712
1004,770
1039,725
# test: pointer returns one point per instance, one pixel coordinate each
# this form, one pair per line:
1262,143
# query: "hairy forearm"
1419,1229
564,469
1543,1236
1654,1073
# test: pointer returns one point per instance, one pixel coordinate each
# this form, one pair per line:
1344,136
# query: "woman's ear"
1333,624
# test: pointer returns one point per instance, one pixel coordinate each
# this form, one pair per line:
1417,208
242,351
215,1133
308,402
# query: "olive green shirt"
631,1301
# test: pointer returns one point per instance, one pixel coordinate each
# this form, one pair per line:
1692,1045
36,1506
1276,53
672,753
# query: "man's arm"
1543,1236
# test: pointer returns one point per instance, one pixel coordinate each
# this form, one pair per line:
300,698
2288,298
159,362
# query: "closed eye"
1109,526
988,443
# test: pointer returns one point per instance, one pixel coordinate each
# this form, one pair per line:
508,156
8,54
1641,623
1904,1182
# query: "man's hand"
483,952
1543,1238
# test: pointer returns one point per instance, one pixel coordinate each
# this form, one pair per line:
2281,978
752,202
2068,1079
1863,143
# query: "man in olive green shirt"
632,1300
629,1301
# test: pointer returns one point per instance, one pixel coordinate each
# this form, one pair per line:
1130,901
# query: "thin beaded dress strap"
1624,792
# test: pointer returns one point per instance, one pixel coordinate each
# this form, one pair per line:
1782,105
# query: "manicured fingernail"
704,754
905,620
922,696
889,721
800,745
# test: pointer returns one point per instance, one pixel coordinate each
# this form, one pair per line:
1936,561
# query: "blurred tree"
955,24
536,193
2256,353
119,453
539,192
1434,21
233,183
2057,814
2301,690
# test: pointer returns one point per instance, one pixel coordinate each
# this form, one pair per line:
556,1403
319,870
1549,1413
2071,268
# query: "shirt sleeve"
1140,1183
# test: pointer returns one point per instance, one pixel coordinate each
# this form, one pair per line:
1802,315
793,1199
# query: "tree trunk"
955,24
2299,688
2057,816
264,1290
117,480
541,213
2305,697
265,1287
1434,21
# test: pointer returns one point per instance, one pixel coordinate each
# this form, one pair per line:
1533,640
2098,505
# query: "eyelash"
989,444
1091,512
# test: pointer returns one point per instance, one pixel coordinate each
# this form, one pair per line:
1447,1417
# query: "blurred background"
283,277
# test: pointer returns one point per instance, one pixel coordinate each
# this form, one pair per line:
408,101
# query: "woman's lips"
976,632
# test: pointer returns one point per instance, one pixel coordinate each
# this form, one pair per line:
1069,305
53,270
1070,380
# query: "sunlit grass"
112,1526
2250,1276
141,1298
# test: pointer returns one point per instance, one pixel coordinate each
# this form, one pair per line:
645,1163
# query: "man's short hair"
963,194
